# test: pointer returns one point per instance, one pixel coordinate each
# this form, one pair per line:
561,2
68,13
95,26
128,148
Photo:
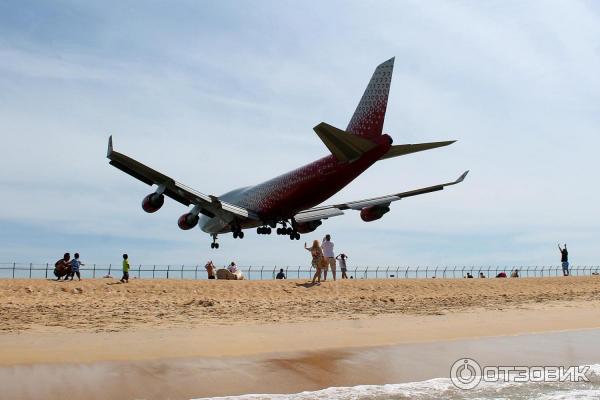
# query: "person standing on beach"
564,260
75,264
125,278
342,260
210,269
329,256
317,260
281,274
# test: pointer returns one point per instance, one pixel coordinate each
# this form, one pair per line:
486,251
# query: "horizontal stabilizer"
402,149
345,146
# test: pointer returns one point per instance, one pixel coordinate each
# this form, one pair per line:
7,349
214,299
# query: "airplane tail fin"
368,118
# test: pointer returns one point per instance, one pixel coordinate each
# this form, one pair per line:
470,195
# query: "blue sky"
225,94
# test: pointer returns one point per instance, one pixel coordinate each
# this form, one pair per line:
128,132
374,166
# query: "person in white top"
327,247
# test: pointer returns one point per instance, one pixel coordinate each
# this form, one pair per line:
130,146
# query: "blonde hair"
315,244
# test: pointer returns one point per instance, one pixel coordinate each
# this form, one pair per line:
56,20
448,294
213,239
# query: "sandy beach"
201,338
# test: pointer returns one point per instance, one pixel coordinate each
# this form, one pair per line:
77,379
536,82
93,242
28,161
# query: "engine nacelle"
153,202
306,227
373,213
187,221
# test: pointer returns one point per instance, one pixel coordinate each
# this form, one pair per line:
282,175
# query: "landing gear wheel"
268,231
297,236
240,235
216,245
212,245
235,234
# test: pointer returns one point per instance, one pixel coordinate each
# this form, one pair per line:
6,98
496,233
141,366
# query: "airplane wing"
209,205
325,212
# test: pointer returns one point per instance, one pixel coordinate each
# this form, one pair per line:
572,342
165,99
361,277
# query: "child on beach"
125,278
75,264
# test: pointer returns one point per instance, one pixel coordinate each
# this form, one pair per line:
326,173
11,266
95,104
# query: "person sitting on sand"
481,275
501,275
469,276
210,270
514,274
75,264
235,271
280,275
62,267
342,261
317,259
125,278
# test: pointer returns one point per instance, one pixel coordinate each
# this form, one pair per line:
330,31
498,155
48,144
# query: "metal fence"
32,270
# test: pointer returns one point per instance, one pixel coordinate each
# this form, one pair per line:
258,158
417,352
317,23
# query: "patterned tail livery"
368,118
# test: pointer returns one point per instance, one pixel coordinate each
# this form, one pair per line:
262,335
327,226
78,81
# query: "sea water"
443,388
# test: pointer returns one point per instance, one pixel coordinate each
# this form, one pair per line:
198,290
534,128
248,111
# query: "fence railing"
144,271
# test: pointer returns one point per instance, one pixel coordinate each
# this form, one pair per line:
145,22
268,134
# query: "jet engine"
305,227
187,221
153,202
373,213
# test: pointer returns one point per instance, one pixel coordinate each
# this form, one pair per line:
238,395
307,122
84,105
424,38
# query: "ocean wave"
443,388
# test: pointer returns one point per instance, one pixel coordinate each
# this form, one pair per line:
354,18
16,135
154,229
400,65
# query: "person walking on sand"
342,261
327,247
564,260
125,278
210,269
317,259
75,264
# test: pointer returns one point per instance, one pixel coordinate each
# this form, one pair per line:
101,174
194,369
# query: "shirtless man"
63,267
210,270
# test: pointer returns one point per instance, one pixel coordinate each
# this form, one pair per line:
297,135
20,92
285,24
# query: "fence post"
406,273
417,272
153,269
14,267
46,270
262,267
139,271
355,272
444,273
181,271
299,272
196,273
273,274
30,268
427,272
94,272
168,270
376,273
109,268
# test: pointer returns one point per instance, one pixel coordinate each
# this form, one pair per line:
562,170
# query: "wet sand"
189,378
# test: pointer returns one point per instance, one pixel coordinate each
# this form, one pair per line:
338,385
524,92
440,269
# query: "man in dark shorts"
63,267
564,260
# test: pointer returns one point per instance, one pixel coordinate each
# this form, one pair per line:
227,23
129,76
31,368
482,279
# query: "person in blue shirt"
75,264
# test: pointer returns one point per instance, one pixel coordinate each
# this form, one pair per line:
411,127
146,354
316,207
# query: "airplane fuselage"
282,197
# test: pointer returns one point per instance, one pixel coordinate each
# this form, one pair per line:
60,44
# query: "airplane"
291,199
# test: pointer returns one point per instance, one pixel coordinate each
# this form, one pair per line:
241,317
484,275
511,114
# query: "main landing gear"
238,234
263,230
286,230
214,244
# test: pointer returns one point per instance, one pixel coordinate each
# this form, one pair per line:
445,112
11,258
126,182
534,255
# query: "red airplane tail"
368,118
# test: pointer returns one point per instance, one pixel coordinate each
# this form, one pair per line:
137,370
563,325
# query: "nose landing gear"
214,244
